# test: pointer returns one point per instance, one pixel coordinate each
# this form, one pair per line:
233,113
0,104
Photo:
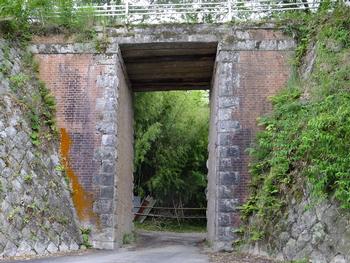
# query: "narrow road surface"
151,247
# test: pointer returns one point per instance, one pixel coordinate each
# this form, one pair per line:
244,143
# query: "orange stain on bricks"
82,200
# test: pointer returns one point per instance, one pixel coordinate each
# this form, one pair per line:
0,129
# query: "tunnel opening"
170,148
170,71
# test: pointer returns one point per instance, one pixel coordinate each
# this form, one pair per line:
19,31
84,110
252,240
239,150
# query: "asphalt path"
151,247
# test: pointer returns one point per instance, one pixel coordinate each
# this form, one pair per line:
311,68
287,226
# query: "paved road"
152,247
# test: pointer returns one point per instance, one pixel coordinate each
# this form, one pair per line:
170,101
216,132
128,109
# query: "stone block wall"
124,181
245,77
318,233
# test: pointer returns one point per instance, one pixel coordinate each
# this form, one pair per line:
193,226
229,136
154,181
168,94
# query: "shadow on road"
153,239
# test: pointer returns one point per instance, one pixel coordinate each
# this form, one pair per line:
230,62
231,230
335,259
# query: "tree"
171,138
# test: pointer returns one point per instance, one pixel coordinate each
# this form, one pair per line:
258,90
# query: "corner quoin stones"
251,65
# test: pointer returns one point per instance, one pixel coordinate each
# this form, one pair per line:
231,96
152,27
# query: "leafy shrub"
85,232
17,17
306,139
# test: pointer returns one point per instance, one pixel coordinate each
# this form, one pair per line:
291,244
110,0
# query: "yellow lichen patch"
82,200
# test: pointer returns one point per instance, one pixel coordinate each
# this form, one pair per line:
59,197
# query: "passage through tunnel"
166,67
94,89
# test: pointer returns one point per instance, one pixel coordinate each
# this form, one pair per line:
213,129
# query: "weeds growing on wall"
304,146
32,93
85,232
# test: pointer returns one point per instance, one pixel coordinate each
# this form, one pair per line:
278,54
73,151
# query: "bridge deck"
169,66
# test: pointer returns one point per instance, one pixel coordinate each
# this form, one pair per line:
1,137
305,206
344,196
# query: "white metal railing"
195,11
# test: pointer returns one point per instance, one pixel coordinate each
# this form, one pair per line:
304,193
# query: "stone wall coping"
239,38
237,45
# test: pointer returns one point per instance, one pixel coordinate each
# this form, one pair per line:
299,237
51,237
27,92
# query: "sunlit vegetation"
171,139
304,146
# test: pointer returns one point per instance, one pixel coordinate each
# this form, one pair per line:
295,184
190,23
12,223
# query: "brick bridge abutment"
94,93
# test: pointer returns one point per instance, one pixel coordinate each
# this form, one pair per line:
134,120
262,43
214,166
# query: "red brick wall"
262,74
72,80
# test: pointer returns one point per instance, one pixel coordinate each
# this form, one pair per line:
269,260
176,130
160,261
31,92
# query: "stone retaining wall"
36,211
319,233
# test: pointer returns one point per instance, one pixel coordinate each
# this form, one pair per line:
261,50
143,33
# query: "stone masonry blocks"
246,79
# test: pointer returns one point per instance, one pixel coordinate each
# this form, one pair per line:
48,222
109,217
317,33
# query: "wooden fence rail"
172,208
172,217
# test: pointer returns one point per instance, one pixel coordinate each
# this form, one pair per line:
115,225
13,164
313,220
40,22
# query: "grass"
129,238
171,226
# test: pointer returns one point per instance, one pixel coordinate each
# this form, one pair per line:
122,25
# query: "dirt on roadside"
232,257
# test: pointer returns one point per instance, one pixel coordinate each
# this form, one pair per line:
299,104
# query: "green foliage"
59,168
42,115
5,69
171,138
304,26
69,18
85,232
129,238
32,93
101,44
13,213
300,261
33,236
18,81
5,66
16,17
64,221
26,220
35,125
48,107
306,139
29,62
28,179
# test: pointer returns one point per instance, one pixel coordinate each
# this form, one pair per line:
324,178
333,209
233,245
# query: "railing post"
127,11
112,7
126,8
229,2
